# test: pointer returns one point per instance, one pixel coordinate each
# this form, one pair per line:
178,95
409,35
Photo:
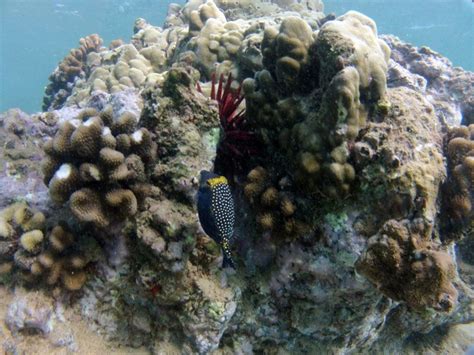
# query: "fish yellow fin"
217,180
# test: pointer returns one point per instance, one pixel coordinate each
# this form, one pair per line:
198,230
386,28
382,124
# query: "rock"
30,313
450,89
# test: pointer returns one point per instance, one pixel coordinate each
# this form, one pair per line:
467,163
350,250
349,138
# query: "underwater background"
36,34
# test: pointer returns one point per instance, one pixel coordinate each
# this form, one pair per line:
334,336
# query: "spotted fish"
216,211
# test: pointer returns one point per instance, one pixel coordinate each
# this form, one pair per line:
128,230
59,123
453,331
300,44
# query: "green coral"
336,221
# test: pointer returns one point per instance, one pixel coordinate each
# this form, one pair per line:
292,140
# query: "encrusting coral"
98,164
405,265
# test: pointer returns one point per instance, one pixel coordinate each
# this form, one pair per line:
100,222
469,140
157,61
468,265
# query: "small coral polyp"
98,164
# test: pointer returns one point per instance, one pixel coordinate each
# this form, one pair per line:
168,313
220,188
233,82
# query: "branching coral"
71,67
98,164
60,261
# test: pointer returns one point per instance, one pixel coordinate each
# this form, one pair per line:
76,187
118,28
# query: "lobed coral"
406,266
38,257
286,54
73,66
98,164
341,84
275,209
457,213
20,227
136,65
212,39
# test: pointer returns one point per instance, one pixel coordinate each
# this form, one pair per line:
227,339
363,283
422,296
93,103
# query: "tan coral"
72,66
31,241
86,205
60,238
274,209
64,181
405,265
105,156
458,190
124,201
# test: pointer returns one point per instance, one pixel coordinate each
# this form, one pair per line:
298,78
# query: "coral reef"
173,293
97,163
457,213
450,89
403,264
353,217
73,66
38,257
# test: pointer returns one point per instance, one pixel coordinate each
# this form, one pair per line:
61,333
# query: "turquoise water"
36,34
446,26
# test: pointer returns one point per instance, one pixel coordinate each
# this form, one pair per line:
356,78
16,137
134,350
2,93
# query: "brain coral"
98,164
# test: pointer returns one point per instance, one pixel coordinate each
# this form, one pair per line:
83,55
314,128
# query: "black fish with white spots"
216,211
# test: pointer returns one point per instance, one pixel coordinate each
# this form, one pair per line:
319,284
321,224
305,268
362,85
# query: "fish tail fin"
228,262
